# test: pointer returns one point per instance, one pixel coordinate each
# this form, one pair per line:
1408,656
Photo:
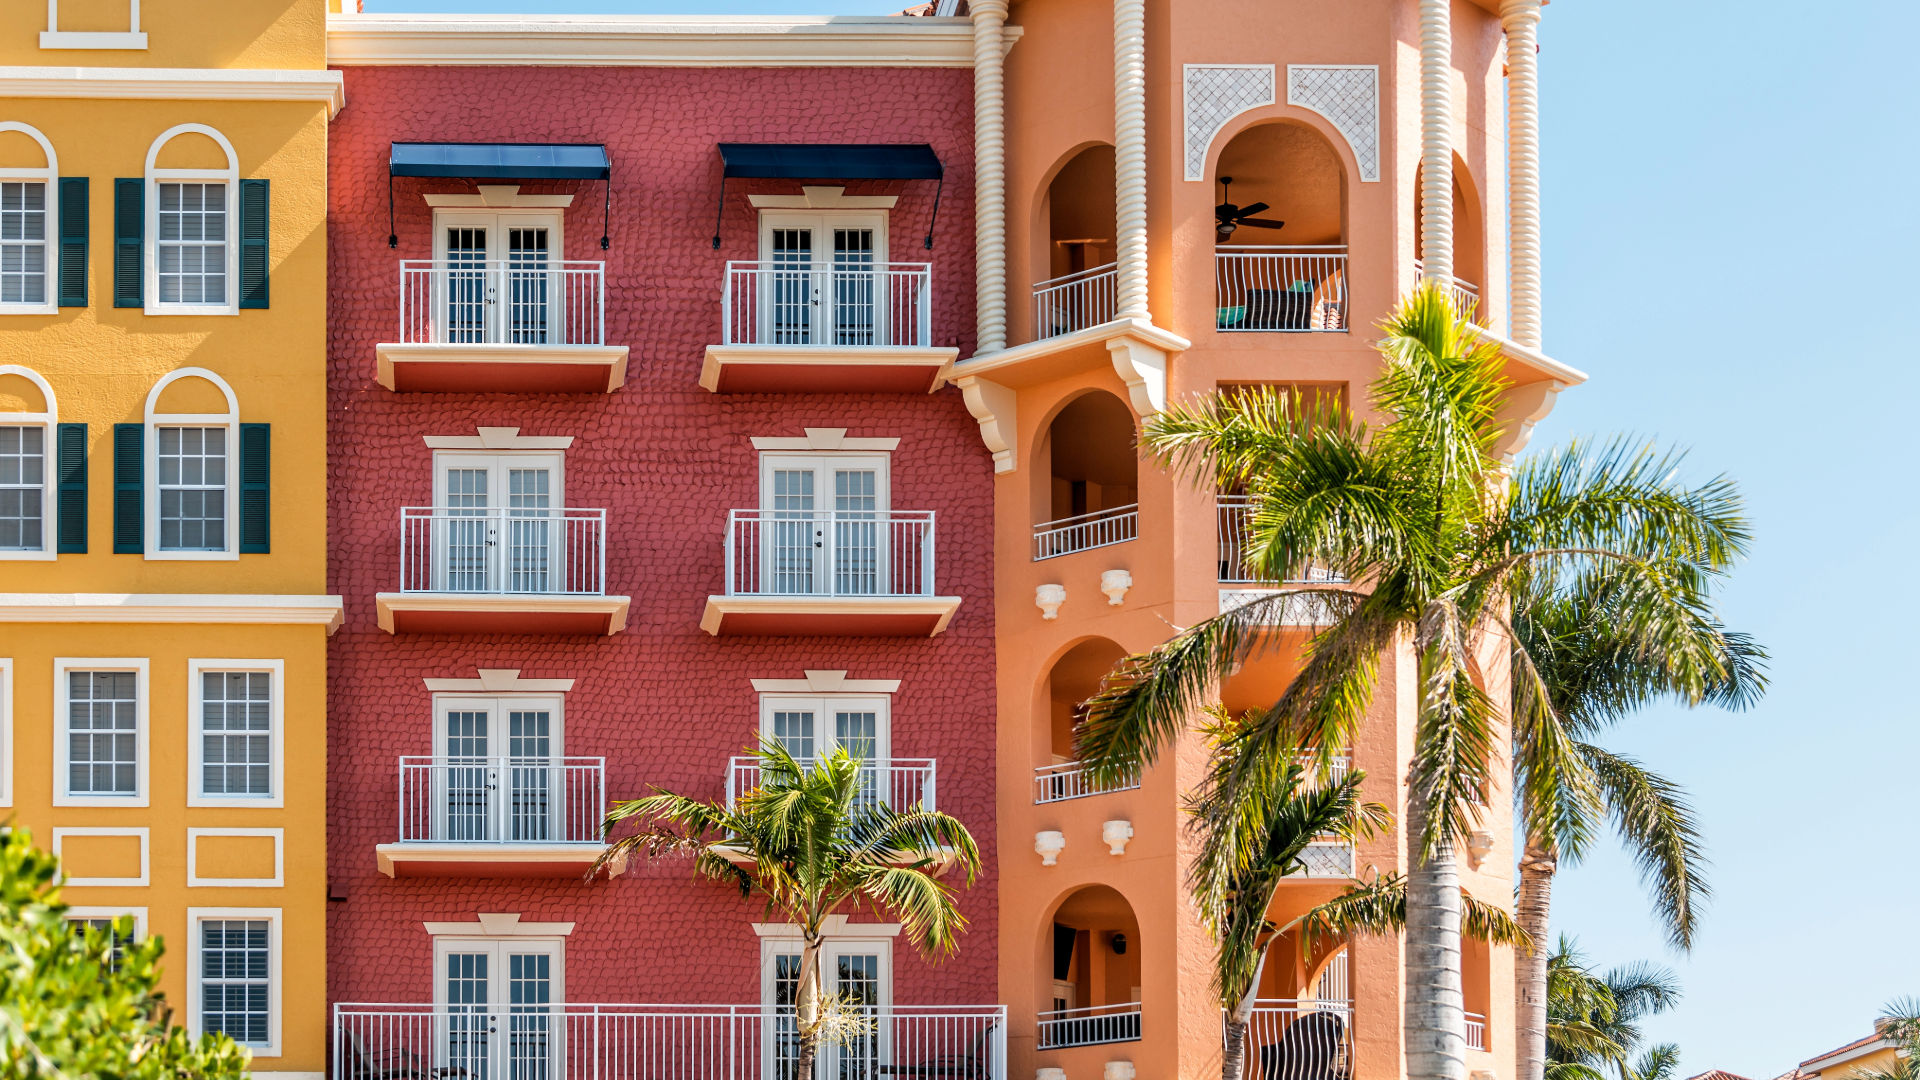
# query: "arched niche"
1079,211
1294,170
1072,679
1090,960
1469,231
1089,458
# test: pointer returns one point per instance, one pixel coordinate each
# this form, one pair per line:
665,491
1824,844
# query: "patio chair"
975,1064
396,1063
1311,1049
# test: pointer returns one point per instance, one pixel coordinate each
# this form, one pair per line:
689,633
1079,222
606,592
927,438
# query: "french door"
498,770
499,523
823,528
825,279
813,728
501,278
857,972
501,1003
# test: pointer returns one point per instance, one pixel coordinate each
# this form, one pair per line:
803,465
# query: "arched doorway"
1078,219
1092,499
1280,228
1092,951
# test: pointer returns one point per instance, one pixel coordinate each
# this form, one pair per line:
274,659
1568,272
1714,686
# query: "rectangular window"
102,733
193,244
23,479
23,243
193,488
235,981
236,742
103,925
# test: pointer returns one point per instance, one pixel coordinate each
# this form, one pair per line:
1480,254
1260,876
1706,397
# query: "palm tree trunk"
806,1008
1435,1018
1530,968
1234,1060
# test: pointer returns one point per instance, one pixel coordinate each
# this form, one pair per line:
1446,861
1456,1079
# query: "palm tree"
1581,661
1421,514
812,840
1593,1020
1899,1024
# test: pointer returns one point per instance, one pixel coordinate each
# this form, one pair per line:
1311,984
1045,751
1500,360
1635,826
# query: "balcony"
1280,289
469,570
686,1042
522,326
1289,1038
1074,302
1052,539
497,817
829,574
1466,298
900,783
1071,780
1091,1025
1476,1031
1234,530
812,327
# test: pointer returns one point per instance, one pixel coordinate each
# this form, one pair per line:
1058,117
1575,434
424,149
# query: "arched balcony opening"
1092,499
1078,216
1476,984
1469,246
1280,232
1093,955
1302,1021
1074,678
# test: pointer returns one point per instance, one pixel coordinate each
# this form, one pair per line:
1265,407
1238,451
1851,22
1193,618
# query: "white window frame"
828,220
141,725
146,854
445,943
6,731
229,176
150,465
49,176
786,940
55,38
827,462
498,705
109,912
196,915
823,706
278,880
50,476
196,742
497,463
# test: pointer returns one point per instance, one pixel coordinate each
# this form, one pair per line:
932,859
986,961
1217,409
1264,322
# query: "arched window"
29,224
190,471
190,250
31,468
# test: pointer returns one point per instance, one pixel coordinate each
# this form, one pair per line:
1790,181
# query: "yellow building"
163,579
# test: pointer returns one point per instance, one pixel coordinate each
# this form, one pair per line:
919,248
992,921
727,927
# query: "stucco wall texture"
665,703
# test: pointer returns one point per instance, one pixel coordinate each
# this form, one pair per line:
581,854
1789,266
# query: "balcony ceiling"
827,616
821,369
501,369
486,860
492,613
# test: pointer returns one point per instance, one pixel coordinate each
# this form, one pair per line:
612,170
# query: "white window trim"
556,703
824,741
136,664
151,245
879,218
195,915
55,38
196,743
6,731
146,854
150,465
877,936
50,475
278,880
444,459
108,912
442,943
51,177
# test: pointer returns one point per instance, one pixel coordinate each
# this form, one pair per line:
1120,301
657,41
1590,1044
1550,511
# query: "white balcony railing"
1476,1031
1071,780
1073,302
829,553
1301,289
1234,517
846,304
640,1042
560,551
519,301
1295,1039
502,800
1052,539
901,783
1089,1025
1465,296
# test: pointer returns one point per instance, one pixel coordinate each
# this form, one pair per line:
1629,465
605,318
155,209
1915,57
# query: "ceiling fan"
1229,217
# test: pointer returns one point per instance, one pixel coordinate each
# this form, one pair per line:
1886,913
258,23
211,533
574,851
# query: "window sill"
29,309
192,309
128,802
193,556
28,556
277,802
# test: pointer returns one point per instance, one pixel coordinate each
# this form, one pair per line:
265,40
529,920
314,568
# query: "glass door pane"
532,1034
856,980
783,1036
468,294
855,296
796,535
529,287
468,552
534,777
856,533
467,1048
469,778
792,288
530,532
858,734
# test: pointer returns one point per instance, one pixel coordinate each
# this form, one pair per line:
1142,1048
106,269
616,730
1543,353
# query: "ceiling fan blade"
1226,211
1262,223
1254,209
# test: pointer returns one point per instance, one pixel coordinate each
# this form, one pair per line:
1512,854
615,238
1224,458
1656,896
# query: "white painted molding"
499,925
1212,95
1115,584
498,195
826,682
146,854
1048,599
278,880
276,918
1348,95
130,38
498,438
1526,406
825,439
1143,367
652,41
995,407
179,84
834,926
85,911
823,198
499,681
259,609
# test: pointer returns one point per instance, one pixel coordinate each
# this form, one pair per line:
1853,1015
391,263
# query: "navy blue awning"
501,161
831,161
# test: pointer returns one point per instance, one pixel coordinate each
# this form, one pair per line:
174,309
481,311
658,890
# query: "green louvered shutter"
129,228
254,219
256,488
70,465
73,248
129,477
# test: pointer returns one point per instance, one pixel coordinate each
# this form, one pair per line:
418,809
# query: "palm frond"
1659,828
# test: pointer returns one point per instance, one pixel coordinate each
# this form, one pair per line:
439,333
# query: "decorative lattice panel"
1347,96
1215,94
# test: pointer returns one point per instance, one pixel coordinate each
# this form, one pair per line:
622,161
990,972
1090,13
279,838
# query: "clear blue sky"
1687,146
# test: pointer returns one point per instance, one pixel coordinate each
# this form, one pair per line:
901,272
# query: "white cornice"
833,926
652,41
826,682
499,681
498,438
176,84
504,925
246,608
818,438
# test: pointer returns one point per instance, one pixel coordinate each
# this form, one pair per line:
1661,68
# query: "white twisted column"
1130,157
989,176
1521,19
1436,141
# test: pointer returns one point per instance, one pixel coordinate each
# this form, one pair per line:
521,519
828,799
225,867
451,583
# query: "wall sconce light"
1048,599
1479,845
1120,944
1115,584
1116,834
1118,1070
1049,845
